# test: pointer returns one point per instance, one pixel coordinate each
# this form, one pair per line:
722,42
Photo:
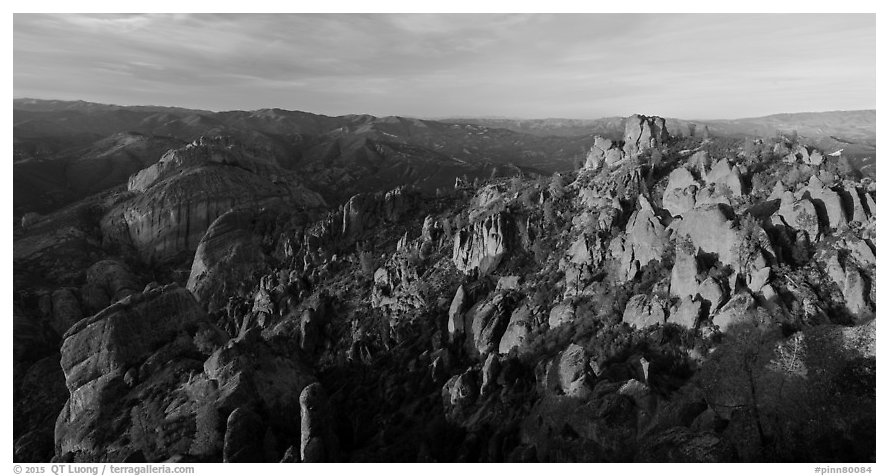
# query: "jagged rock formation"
643,133
677,309
367,210
645,241
100,350
482,245
116,361
643,311
679,196
603,152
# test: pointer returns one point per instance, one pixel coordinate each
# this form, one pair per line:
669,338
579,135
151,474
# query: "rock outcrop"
484,324
643,310
712,229
107,281
174,201
317,441
798,214
687,313
482,245
364,211
517,330
679,195
645,240
229,255
603,152
137,366
244,434
98,351
642,133
724,174
684,276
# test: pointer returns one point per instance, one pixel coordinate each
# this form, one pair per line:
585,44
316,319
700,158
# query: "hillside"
57,143
670,299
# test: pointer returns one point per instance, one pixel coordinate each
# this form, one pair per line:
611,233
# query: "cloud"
578,65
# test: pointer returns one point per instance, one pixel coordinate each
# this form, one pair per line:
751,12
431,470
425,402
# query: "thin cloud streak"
584,65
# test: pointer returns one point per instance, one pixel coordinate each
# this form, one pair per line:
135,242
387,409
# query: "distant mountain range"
67,150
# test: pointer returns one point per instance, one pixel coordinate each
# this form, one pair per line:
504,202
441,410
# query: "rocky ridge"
661,307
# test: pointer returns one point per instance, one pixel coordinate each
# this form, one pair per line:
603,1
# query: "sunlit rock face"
174,201
643,132
483,244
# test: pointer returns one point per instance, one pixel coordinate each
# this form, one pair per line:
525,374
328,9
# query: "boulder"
740,309
679,200
317,440
829,201
490,370
855,290
815,158
455,312
244,432
684,276
759,278
679,195
799,215
603,151
687,313
561,314
712,292
485,323
458,393
722,173
507,283
645,310
860,251
853,204
517,330
572,371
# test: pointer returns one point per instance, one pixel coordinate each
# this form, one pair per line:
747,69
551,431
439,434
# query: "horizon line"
434,118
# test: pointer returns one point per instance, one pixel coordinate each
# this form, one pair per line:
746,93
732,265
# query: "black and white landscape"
202,283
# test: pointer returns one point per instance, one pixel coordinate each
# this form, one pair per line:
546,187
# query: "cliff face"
483,244
174,201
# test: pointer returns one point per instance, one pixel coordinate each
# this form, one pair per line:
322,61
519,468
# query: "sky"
692,66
